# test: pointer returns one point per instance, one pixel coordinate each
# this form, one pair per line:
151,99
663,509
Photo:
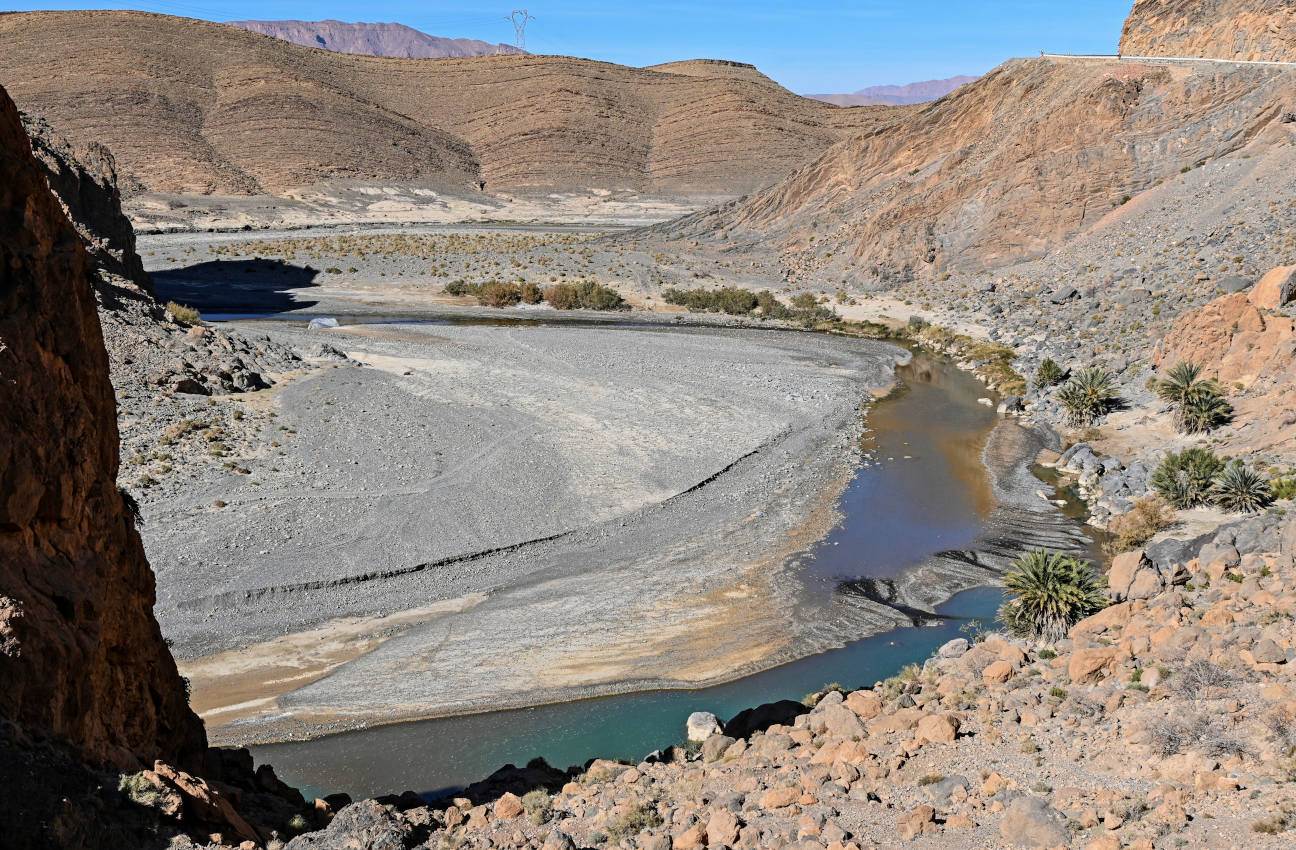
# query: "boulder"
1064,294
1088,666
702,725
366,824
1275,289
920,821
836,720
779,798
713,748
938,729
865,704
953,649
1031,822
722,828
1267,652
762,717
997,672
508,807
1233,283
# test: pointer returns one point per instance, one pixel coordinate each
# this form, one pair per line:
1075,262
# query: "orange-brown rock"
195,106
1216,29
1249,350
81,656
1092,665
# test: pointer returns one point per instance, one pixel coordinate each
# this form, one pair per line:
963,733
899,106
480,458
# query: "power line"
519,19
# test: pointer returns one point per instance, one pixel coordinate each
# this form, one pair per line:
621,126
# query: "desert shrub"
1239,489
1140,524
1050,592
1283,488
462,287
1049,374
1271,825
498,294
1184,479
1179,383
1088,395
531,293
1172,735
538,805
583,296
804,301
183,314
1200,675
632,821
727,299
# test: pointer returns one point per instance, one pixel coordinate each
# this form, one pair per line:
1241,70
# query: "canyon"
250,323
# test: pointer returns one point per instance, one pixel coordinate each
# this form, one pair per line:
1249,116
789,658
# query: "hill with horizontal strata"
381,39
196,107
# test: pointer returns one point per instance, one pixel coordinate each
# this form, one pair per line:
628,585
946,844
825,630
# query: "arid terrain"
595,354
373,39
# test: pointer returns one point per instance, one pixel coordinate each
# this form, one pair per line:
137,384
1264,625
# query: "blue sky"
810,46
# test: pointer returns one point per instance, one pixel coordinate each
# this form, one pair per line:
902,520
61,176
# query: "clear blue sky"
808,46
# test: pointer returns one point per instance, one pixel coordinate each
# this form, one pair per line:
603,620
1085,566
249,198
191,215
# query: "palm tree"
1052,591
1240,489
1088,395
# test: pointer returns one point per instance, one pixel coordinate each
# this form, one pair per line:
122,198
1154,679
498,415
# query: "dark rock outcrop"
85,183
82,659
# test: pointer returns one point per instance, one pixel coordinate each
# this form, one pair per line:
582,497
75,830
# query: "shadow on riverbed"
238,285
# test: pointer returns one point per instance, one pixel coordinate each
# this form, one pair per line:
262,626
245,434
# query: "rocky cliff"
1213,29
81,657
85,184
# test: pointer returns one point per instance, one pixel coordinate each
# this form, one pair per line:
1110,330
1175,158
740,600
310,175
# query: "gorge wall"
81,656
1212,29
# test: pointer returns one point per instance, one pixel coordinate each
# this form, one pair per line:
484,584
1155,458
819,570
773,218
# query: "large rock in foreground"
81,657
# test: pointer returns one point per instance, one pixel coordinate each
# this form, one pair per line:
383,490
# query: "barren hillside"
193,106
373,39
1006,168
1213,29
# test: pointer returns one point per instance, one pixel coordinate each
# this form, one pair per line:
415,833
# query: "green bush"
1240,489
1089,394
1049,374
1049,593
727,299
1283,488
633,821
1184,479
462,287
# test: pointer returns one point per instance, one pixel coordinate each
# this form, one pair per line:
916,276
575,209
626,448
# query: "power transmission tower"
519,19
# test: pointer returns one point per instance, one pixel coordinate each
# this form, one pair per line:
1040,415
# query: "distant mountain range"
374,39
897,95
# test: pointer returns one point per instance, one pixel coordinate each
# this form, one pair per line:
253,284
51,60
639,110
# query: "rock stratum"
81,656
379,39
1247,30
190,106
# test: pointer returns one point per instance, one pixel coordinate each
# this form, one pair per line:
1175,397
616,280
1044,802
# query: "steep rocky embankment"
1005,169
1263,30
81,656
197,107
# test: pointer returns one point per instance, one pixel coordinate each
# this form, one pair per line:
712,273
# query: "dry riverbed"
463,517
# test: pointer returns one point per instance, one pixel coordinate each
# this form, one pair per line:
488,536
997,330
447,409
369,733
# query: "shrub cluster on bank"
560,296
805,308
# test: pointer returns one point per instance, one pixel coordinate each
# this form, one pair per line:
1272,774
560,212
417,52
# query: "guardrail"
1165,60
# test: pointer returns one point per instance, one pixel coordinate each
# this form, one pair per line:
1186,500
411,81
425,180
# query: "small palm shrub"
1184,479
1204,410
1088,395
1199,405
1050,593
1240,489
1179,383
1049,374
